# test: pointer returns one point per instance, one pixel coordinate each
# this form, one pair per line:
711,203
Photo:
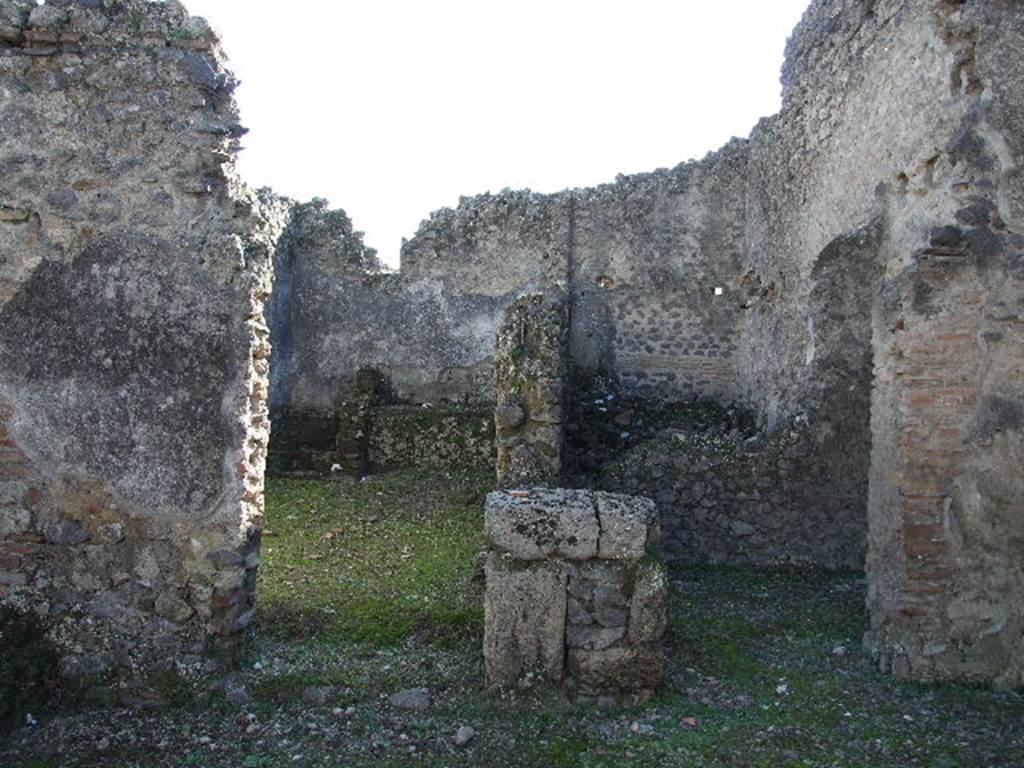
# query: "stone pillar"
530,372
946,547
574,597
133,351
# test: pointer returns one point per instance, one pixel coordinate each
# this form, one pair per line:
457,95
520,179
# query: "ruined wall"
430,329
649,252
727,496
452,437
640,260
946,558
133,355
867,240
919,190
319,261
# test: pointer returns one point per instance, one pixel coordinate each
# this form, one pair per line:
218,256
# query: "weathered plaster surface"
133,355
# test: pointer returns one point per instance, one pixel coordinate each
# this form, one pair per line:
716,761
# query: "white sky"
391,109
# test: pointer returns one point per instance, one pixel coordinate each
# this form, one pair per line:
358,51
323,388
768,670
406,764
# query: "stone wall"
320,260
925,183
640,258
946,557
336,312
372,433
450,437
729,496
655,267
851,273
133,355
639,262
430,329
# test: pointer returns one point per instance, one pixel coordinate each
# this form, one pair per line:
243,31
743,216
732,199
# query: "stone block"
647,606
508,416
541,523
628,668
627,523
524,621
14,521
551,596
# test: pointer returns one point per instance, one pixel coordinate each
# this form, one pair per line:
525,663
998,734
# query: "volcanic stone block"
627,522
622,668
647,606
541,523
524,620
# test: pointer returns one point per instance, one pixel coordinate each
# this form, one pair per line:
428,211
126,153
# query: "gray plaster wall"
133,356
430,328
648,253
640,260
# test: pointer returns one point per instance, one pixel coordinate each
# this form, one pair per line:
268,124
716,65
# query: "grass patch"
376,561
391,600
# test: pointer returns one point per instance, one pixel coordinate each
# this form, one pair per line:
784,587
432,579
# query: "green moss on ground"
374,561
393,602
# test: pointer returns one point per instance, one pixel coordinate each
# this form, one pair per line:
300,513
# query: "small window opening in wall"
719,290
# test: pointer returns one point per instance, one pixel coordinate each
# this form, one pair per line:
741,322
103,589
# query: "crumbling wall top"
94,23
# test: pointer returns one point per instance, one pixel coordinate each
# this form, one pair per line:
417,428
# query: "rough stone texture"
353,442
372,436
539,524
438,437
336,312
524,621
317,257
640,258
585,556
632,670
133,354
935,165
429,329
629,526
730,496
530,373
303,441
868,242
648,253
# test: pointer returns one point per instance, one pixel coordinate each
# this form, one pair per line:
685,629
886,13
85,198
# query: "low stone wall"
393,437
302,441
442,437
732,497
574,597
